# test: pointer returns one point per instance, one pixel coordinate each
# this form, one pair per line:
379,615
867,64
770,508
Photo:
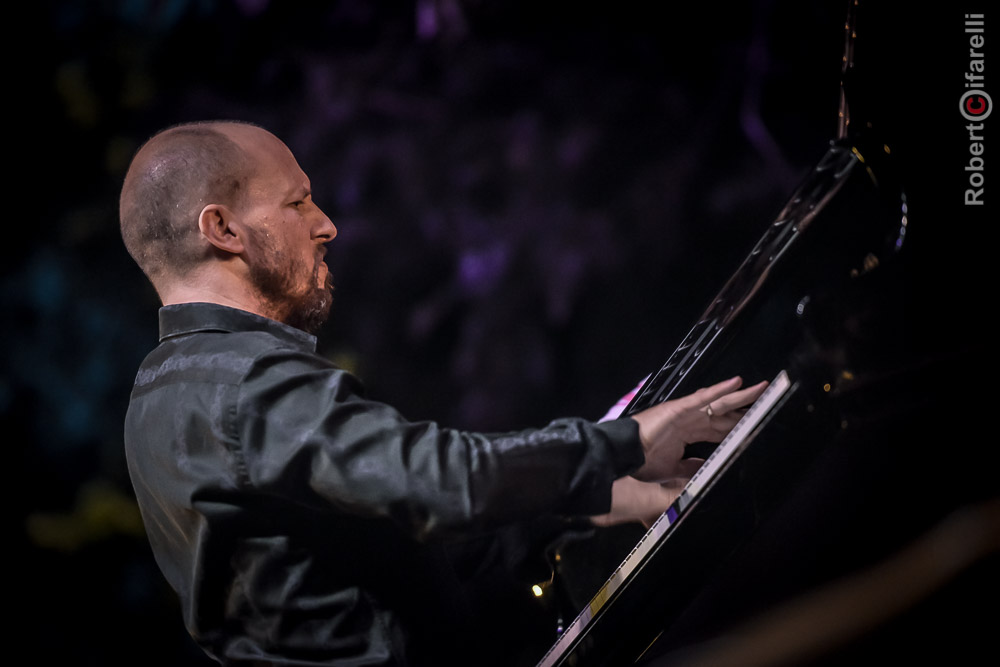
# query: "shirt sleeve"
306,432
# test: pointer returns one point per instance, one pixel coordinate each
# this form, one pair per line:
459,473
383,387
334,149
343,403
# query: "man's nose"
327,230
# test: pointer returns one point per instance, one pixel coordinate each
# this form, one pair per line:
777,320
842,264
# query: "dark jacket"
301,523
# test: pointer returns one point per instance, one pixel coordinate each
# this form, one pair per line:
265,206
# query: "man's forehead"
271,156
253,138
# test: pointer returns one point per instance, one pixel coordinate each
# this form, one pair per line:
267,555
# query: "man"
299,522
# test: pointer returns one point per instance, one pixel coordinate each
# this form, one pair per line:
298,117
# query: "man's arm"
307,432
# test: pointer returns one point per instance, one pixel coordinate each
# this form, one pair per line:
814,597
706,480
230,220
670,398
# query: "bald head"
172,178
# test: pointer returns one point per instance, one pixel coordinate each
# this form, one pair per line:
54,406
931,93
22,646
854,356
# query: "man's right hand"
707,415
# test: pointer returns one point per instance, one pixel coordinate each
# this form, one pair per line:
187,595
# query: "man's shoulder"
221,357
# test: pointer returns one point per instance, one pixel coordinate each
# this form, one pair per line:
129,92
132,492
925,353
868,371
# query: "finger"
717,432
721,426
720,423
738,399
686,468
706,395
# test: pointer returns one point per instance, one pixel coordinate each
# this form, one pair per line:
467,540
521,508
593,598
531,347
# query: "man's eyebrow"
300,191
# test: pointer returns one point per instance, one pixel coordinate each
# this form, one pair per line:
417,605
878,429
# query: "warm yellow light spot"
847,375
537,590
885,147
827,387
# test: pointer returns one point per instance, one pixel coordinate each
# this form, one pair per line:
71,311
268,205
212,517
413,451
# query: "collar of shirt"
188,318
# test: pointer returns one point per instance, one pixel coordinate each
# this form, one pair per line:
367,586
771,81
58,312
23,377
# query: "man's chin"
310,313
307,310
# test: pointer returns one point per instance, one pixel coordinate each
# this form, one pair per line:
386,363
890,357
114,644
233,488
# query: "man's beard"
275,282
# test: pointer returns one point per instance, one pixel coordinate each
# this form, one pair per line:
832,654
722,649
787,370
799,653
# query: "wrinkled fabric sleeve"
306,432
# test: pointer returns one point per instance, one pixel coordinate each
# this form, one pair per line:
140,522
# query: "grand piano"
831,503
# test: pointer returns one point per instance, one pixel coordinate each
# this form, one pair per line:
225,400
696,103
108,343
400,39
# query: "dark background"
533,207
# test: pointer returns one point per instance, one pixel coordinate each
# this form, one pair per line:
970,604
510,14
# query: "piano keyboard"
658,532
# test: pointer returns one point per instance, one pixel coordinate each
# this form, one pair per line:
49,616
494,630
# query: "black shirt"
299,522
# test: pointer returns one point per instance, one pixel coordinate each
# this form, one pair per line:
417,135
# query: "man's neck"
211,291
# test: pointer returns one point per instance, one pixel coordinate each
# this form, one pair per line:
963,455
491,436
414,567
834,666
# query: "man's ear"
216,223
